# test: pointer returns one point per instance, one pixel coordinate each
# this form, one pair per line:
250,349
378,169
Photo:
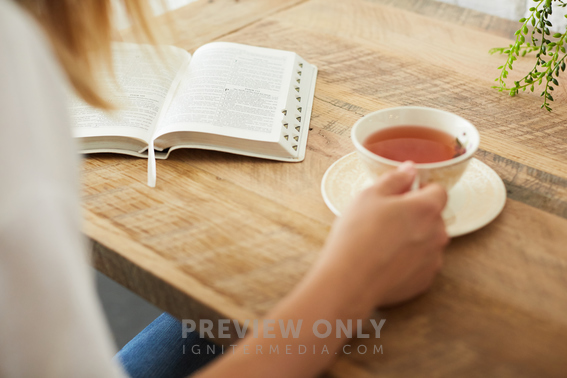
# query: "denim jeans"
161,351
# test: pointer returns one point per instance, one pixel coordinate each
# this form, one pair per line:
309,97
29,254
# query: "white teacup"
446,173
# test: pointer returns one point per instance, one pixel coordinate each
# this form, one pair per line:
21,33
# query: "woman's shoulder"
27,56
33,105
17,27
24,45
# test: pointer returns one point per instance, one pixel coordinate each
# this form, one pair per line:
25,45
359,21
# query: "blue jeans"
161,351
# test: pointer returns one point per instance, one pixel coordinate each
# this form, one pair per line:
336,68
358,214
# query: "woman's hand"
385,249
388,245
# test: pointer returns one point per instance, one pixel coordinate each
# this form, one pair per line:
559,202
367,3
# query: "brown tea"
416,143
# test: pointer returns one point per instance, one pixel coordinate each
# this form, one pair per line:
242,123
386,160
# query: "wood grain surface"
224,236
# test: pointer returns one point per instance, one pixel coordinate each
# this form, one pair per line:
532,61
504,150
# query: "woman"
385,249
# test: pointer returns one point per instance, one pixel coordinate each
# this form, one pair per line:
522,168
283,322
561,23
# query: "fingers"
419,282
398,181
431,197
432,264
425,207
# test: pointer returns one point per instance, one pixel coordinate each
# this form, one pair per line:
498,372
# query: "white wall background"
511,9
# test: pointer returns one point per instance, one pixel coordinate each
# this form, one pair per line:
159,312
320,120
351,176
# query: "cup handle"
415,184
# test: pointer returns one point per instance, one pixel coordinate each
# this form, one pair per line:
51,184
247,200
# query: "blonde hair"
81,32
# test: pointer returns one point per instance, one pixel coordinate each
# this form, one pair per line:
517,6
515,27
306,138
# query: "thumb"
397,181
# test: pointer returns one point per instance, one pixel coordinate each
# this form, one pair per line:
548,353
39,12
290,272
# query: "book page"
144,79
232,90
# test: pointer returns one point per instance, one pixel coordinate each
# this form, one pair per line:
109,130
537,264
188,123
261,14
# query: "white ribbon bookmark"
151,165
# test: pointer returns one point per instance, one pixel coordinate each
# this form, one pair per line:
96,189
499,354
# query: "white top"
51,324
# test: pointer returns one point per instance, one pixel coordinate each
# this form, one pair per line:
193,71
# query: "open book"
228,97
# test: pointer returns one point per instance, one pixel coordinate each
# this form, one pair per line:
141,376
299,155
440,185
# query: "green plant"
534,35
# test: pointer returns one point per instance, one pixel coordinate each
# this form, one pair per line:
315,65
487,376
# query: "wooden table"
226,236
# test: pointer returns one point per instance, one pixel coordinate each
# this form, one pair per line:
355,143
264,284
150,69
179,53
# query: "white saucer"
474,202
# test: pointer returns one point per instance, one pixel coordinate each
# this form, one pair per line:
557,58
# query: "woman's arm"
386,249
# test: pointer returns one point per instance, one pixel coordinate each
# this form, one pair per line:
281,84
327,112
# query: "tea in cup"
440,143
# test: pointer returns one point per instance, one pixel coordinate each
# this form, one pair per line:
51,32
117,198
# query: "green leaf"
542,46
